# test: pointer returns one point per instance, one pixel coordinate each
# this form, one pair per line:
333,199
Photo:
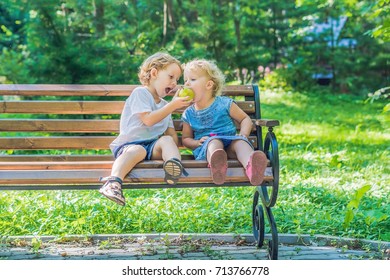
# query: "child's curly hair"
159,60
211,69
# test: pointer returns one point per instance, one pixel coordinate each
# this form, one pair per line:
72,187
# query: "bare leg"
127,160
254,162
112,188
165,149
240,150
212,146
217,159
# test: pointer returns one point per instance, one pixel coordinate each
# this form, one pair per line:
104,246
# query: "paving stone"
179,248
261,255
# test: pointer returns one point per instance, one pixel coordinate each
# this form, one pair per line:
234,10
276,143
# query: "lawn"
334,152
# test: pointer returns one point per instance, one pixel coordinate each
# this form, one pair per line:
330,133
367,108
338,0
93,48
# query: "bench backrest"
80,120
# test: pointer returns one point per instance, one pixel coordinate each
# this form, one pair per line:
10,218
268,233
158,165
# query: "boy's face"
166,79
198,81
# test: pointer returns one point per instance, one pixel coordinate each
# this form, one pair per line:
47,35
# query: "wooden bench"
78,122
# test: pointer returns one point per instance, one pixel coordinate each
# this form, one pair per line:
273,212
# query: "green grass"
330,147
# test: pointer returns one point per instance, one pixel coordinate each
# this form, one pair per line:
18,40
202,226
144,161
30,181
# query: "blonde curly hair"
211,69
159,60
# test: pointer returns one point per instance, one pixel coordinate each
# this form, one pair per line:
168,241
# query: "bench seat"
88,172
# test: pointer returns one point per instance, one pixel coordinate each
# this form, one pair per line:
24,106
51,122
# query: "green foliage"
353,205
104,42
12,67
330,147
383,93
36,244
380,14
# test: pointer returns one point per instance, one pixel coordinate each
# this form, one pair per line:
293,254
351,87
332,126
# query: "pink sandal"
256,167
218,166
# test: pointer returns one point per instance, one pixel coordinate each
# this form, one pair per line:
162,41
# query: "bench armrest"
267,123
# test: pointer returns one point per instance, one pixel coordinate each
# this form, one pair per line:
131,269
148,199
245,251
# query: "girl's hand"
243,135
201,140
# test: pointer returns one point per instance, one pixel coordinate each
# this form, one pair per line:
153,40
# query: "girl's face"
199,82
166,79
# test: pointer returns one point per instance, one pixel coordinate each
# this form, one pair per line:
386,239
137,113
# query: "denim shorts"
148,145
200,152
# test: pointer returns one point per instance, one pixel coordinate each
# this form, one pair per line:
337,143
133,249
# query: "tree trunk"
99,17
191,16
165,24
275,38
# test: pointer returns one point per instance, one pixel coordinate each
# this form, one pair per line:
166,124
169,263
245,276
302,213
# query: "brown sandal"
112,189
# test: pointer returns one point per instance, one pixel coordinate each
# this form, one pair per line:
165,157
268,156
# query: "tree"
381,14
102,41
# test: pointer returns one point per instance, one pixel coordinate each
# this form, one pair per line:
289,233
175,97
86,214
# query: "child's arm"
242,118
172,132
151,118
188,137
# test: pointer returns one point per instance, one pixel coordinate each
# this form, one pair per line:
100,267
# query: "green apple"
187,92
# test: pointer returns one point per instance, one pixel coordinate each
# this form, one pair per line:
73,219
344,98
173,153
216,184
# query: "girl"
146,126
209,129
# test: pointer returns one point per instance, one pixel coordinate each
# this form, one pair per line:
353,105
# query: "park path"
187,247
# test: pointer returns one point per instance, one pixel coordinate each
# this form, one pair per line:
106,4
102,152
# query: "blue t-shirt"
214,119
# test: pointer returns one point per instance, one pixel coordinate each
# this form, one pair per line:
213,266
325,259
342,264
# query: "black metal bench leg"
258,226
273,244
268,194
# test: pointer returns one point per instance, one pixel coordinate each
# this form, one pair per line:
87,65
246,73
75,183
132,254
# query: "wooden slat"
95,90
21,159
71,125
64,125
70,142
81,107
141,175
96,164
69,159
62,107
179,125
66,90
61,165
247,106
267,123
67,142
239,90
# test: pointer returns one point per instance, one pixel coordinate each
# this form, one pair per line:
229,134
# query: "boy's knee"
135,149
166,140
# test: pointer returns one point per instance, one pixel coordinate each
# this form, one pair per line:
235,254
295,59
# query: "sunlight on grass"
308,132
330,146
